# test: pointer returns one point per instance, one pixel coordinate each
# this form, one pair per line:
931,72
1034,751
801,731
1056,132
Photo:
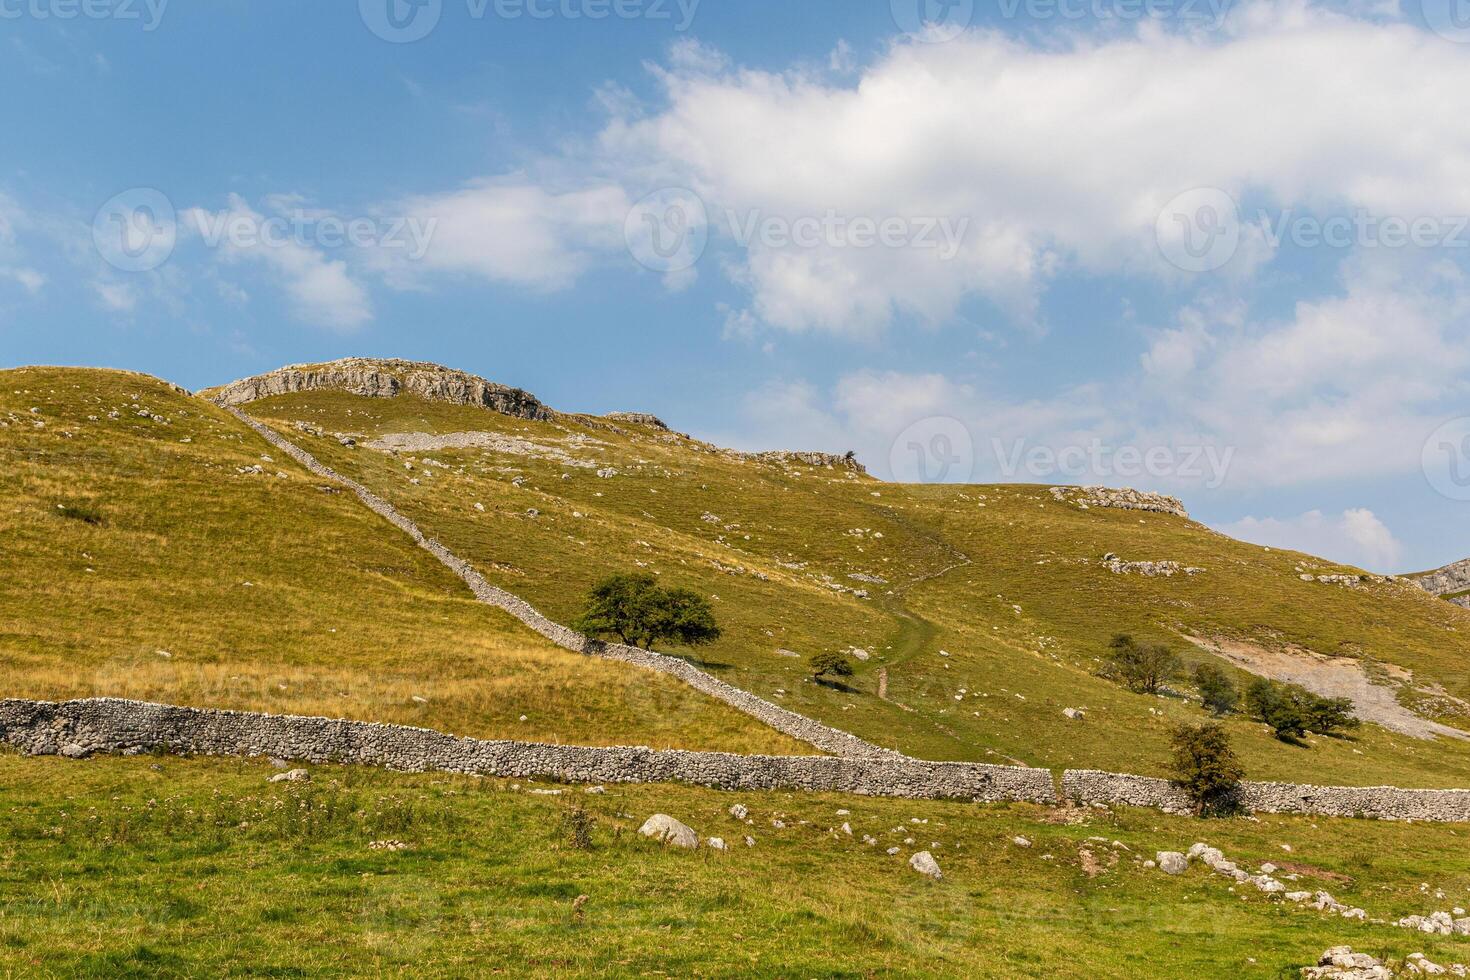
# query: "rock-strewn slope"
373,378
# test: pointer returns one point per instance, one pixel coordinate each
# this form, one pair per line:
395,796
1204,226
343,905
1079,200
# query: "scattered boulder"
739,811
665,828
1172,862
1076,714
291,776
923,862
1341,963
716,843
1021,841
73,751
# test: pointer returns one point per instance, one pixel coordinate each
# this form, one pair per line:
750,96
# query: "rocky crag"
1447,581
373,378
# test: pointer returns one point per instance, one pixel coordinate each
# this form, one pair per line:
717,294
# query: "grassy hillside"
1006,580
153,550
175,867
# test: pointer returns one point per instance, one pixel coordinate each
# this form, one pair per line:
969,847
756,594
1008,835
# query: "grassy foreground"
177,867
157,549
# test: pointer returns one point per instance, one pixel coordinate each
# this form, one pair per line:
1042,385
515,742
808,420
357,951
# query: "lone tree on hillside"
1215,690
640,612
1206,767
1143,668
830,662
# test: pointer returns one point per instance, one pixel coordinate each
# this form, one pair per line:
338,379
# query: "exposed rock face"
374,378
1444,581
638,418
847,461
1123,499
1151,569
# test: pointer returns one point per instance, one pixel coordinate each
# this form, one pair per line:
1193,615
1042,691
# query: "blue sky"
1215,250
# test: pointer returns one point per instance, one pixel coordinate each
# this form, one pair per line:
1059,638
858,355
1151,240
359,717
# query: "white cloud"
320,289
12,265
510,230
1354,537
116,297
1062,155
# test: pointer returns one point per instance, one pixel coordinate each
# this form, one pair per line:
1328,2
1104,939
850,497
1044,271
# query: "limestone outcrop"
388,378
1121,498
1446,581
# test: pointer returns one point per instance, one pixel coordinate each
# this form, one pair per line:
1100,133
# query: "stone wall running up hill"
824,737
385,379
112,725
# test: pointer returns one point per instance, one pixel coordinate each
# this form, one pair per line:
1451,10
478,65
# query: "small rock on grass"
291,776
923,862
1171,862
665,828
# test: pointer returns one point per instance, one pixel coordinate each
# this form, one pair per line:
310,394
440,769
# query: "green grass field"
177,867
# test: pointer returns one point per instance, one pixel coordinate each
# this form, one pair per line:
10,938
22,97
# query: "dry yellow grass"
142,562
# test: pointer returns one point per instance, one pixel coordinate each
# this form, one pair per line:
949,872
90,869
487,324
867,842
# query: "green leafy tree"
1207,768
639,612
1269,702
1143,668
830,663
1329,716
1292,711
1216,691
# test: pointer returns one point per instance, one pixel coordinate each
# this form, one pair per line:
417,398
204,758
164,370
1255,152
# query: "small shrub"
577,825
84,514
830,663
1216,691
640,612
1206,768
1143,668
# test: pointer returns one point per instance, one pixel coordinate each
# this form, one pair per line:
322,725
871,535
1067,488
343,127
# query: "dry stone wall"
1380,802
113,725
824,737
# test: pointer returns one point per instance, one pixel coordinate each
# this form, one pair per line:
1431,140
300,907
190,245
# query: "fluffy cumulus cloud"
1354,537
507,229
1052,157
321,290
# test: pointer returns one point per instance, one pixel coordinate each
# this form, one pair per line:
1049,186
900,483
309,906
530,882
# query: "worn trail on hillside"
824,737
